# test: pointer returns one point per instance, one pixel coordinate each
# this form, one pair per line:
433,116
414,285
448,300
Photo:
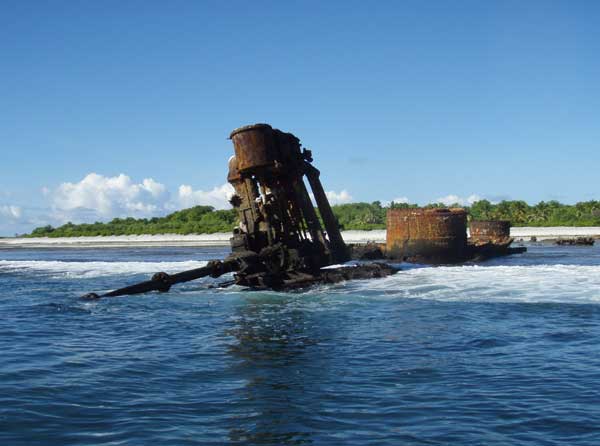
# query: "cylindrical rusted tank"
494,231
233,175
254,146
427,235
288,150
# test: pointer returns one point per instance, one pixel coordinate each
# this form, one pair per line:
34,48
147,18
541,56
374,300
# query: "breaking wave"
64,269
531,283
502,283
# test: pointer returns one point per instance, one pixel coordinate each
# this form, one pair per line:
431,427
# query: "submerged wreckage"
282,243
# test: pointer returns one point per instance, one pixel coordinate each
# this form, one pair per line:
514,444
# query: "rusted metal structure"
429,235
485,231
490,238
280,242
439,236
274,207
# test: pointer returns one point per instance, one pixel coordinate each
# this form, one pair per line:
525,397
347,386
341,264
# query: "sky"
123,108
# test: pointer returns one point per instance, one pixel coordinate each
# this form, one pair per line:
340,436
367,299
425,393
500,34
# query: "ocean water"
504,352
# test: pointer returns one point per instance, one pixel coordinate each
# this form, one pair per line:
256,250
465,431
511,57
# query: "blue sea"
499,353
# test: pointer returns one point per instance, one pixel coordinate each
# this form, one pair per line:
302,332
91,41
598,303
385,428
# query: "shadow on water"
276,354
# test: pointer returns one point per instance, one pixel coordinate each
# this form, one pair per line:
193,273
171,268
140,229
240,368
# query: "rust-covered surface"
494,231
279,243
254,146
273,203
277,219
436,235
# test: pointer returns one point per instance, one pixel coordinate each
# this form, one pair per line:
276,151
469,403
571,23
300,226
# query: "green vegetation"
545,213
196,220
360,216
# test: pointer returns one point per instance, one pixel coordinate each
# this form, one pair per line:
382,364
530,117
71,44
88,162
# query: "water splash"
62,269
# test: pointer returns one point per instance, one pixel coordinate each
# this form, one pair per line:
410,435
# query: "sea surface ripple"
503,352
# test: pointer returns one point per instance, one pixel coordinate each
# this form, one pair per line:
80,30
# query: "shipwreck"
283,242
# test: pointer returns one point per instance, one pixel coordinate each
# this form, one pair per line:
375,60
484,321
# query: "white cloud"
455,199
398,200
104,197
11,212
217,197
338,197
473,198
110,196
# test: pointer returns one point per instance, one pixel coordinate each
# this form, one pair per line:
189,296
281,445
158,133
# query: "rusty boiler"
427,235
489,231
273,203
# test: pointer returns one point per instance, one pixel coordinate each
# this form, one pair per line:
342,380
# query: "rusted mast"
338,247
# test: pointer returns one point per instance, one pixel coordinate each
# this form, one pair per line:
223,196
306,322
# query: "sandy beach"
222,239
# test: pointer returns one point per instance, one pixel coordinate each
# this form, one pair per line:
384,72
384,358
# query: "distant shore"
222,239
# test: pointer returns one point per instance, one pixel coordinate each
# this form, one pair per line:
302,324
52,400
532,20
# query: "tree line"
352,216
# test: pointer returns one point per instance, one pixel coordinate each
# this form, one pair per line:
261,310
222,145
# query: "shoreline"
222,239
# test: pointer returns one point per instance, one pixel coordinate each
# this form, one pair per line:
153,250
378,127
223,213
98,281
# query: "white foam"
532,283
95,269
537,283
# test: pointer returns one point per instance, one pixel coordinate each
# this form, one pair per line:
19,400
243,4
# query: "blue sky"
397,99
